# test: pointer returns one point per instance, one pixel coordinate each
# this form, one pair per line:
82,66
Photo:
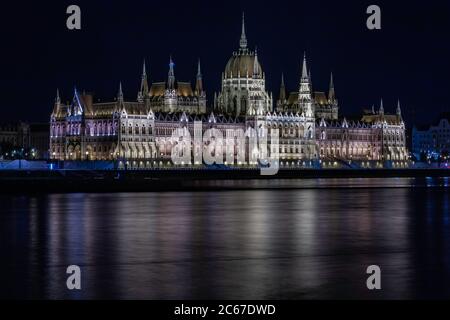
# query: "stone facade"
140,133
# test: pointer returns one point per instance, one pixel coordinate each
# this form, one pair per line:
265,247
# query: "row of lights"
14,153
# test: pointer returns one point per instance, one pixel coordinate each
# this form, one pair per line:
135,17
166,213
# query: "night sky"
407,59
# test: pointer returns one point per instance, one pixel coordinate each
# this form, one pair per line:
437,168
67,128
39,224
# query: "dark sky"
407,59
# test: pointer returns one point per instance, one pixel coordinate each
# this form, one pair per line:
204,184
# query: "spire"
399,110
120,93
282,96
306,76
331,93
77,108
57,99
57,103
373,109
199,84
381,110
144,71
171,74
304,68
215,100
256,71
144,84
199,71
305,91
243,41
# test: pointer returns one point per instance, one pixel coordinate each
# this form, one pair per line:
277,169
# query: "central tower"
243,90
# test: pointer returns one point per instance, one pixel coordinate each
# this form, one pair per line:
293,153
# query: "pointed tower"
76,108
57,106
143,92
120,93
200,91
331,92
57,99
399,110
381,110
243,41
305,95
282,96
171,78
199,82
304,67
256,70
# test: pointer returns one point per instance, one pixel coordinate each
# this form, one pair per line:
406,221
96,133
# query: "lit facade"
139,133
377,136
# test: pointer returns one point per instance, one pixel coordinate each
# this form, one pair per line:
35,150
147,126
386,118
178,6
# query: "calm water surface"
313,242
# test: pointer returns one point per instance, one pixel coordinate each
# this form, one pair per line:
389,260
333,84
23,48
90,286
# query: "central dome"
242,64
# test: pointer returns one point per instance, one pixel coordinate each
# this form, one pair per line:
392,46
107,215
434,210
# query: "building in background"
14,134
39,140
139,133
432,142
23,140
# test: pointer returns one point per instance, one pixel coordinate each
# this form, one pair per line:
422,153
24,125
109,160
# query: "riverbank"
180,179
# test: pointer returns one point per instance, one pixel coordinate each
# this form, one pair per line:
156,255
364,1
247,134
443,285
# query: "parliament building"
139,134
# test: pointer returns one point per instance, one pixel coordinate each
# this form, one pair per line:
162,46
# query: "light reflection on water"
307,243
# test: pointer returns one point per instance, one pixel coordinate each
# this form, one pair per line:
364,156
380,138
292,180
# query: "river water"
288,239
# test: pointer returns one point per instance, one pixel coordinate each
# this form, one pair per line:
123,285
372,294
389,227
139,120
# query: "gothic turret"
282,97
171,77
199,83
57,106
305,94
58,98
381,110
331,92
256,66
120,93
143,92
399,110
305,83
76,108
243,41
